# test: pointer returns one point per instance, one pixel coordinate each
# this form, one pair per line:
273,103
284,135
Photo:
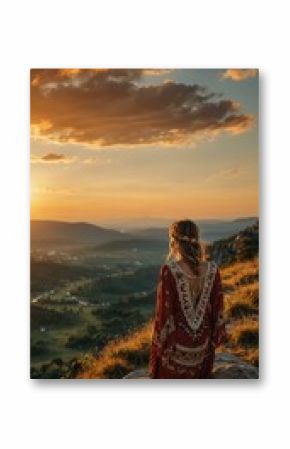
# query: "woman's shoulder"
170,266
167,269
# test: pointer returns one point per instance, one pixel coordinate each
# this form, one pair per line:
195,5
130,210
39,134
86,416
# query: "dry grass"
120,357
243,339
241,286
245,333
240,282
233,274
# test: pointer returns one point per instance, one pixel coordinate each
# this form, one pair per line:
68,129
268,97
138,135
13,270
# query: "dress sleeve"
218,325
164,326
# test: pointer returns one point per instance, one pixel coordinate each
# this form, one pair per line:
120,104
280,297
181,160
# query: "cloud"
52,158
226,174
239,74
107,108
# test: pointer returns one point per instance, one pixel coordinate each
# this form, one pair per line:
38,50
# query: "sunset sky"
120,145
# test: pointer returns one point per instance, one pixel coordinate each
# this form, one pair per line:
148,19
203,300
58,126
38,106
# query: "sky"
121,145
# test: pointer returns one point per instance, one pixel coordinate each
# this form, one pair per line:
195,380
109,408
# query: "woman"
189,321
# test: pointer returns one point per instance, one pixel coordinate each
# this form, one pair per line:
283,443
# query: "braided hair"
184,240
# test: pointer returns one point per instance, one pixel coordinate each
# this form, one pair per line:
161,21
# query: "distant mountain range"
45,233
142,223
57,233
210,230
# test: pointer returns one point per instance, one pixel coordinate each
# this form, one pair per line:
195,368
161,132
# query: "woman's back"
188,323
195,281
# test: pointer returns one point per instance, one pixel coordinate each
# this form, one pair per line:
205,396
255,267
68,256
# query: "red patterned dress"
185,335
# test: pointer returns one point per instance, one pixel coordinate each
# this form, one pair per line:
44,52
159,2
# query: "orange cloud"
52,158
107,108
239,74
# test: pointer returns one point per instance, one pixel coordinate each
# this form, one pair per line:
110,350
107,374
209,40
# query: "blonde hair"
184,241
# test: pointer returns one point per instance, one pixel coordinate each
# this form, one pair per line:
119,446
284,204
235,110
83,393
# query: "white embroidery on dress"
190,357
199,348
187,360
193,315
160,337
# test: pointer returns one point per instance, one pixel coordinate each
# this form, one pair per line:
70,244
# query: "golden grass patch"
121,356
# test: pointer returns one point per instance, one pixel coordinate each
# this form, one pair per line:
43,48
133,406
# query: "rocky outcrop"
239,247
227,366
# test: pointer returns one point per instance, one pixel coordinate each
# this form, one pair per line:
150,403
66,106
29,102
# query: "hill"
49,233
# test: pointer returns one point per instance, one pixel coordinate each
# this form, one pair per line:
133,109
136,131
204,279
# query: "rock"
227,366
137,374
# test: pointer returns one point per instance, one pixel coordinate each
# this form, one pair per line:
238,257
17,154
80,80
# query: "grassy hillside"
240,282
241,292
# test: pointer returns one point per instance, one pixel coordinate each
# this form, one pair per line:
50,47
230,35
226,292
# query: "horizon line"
137,219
